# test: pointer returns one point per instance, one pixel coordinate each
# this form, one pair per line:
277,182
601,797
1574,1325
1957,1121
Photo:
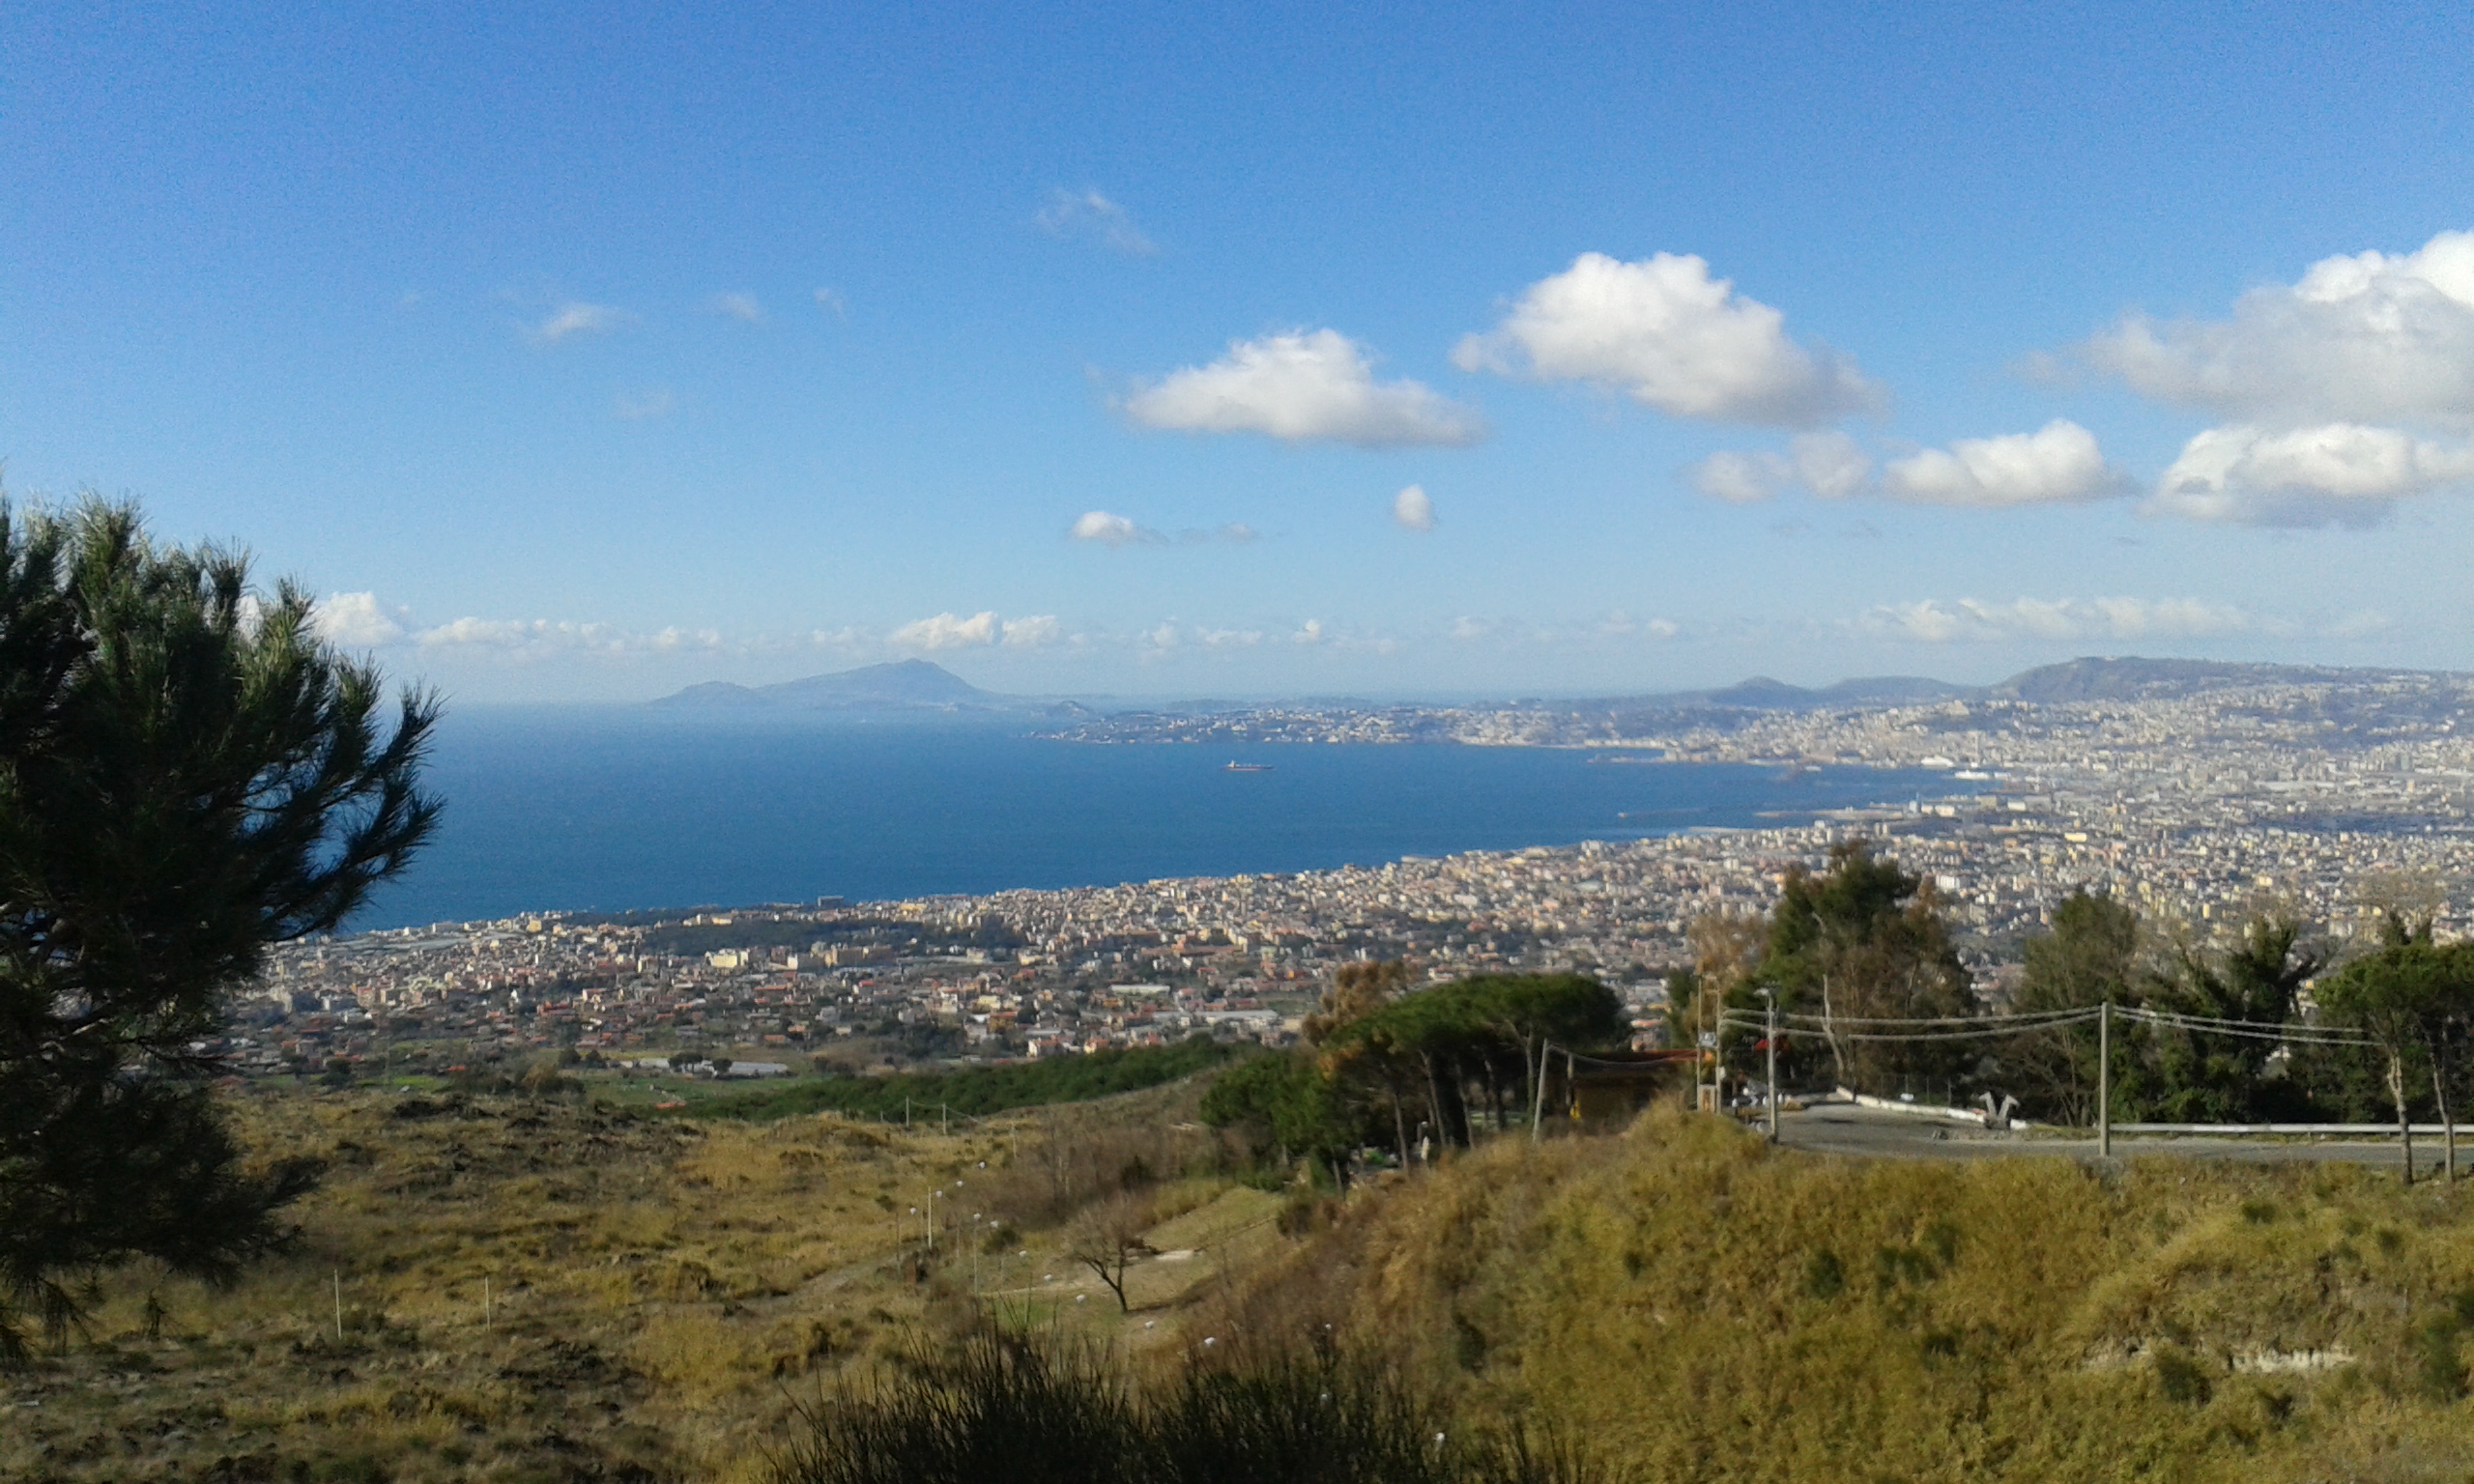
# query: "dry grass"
1689,1302
650,1287
1699,1306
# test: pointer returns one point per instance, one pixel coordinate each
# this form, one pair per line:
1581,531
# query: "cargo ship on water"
1247,767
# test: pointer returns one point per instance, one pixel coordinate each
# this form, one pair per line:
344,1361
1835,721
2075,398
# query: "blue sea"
611,808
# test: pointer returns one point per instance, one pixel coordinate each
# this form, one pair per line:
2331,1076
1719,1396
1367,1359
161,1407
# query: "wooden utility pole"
1773,1041
2105,1080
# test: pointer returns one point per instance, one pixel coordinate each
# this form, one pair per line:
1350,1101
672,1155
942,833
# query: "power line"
1985,1031
2030,1018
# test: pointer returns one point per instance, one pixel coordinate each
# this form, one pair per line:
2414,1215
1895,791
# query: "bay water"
606,808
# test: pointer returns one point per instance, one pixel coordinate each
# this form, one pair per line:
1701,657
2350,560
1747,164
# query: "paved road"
1840,1130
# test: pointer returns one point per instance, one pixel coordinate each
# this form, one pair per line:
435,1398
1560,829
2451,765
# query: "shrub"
1033,1411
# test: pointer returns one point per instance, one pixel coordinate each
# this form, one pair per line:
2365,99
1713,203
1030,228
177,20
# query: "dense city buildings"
2195,801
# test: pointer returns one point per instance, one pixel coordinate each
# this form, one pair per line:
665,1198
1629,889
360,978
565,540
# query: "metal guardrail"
2321,1130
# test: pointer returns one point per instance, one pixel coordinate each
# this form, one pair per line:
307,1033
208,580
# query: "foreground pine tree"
187,775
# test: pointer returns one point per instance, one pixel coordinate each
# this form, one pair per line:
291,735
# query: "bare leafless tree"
1109,1238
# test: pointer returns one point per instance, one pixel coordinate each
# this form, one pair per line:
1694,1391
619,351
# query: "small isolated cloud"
2057,464
1740,478
1090,215
1308,633
741,307
2068,619
1620,624
1306,387
638,406
2369,338
2335,475
2364,623
1666,333
1412,510
946,631
831,302
1034,632
356,620
1108,528
1469,630
1829,463
571,320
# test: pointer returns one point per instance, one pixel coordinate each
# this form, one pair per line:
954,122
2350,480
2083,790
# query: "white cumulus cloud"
1829,463
356,620
573,319
1037,632
2059,462
1412,509
741,307
1305,386
1087,214
1673,339
1108,528
2334,475
536,638
1740,478
2373,337
946,631
2067,620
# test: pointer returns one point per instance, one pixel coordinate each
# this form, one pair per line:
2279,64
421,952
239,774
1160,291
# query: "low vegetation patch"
1047,1408
975,1091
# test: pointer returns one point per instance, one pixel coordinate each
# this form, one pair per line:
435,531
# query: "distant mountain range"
917,685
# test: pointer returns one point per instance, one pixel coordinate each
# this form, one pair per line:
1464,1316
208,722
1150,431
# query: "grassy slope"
1664,1295
662,1289
1704,1308
652,1285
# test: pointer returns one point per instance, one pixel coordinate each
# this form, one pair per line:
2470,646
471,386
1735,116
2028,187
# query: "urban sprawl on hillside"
2192,803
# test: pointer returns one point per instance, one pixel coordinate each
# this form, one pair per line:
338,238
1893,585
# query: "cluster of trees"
974,1090
1864,940
187,775
1386,1065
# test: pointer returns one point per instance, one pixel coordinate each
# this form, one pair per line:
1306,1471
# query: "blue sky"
1091,349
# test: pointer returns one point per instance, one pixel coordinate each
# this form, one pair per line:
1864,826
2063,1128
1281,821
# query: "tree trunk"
1448,1129
1837,1054
1400,1126
1527,1075
2447,1120
2397,1094
1538,1091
